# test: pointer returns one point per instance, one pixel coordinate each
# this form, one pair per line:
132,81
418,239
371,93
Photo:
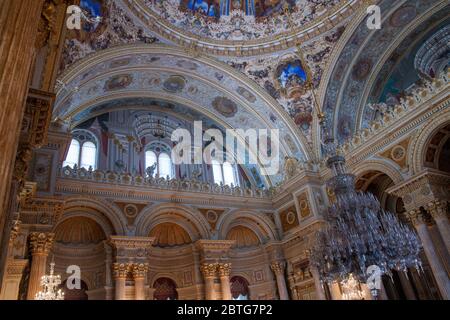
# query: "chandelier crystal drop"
351,289
50,284
358,233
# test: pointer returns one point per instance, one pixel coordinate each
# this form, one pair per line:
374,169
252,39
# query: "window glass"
150,160
73,155
228,174
88,155
165,165
217,171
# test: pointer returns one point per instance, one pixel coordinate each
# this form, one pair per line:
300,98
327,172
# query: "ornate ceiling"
243,236
242,64
79,231
240,27
169,235
167,75
363,53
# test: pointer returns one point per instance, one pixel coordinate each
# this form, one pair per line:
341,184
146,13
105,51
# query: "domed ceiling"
79,231
220,24
243,236
169,235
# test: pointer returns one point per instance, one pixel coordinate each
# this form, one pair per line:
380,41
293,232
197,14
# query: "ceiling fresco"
167,75
140,53
400,71
237,19
359,61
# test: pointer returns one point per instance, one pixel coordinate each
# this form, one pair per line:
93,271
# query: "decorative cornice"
215,245
427,177
124,242
41,211
435,93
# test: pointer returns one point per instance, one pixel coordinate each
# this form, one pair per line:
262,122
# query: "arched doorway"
239,288
165,289
75,294
437,151
399,286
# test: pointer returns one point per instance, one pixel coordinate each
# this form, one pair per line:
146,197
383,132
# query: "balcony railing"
128,179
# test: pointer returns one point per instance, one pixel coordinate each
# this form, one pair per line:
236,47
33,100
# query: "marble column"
438,269
438,209
40,245
139,274
18,28
407,286
209,271
320,292
278,270
335,291
120,277
224,274
108,275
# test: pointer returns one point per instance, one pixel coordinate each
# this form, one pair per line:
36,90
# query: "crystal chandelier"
351,289
151,125
50,284
358,233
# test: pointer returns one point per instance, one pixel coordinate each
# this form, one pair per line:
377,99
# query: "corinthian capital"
41,242
120,270
278,267
209,270
224,269
438,209
416,216
139,270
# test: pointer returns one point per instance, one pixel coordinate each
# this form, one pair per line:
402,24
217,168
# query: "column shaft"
120,276
278,270
439,271
139,287
209,271
38,268
40,244
139,275
18,29
224,273
407,286
120,288
320,293
335,292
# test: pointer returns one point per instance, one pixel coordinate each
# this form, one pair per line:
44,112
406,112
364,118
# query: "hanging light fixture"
351,289
50,284
358,233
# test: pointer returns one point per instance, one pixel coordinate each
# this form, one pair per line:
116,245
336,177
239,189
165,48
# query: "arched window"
82,151
165,289
165,165
88,155
224,173
150,159
239,288
73,155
